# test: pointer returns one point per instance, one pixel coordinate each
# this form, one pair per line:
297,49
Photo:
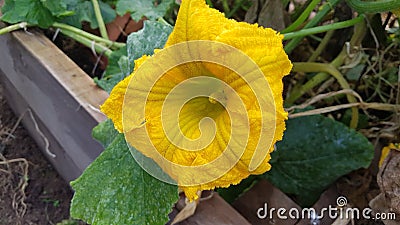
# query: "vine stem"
100,21
321,46
235,8
310,67
225,5
88,43
321,29
363,105
304,15
65,27
313,22
359,32
17,26
374,6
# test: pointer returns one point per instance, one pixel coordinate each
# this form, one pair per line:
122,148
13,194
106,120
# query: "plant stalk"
330,69
313,22
321,29
303,17
100,21
374,6
321,46
359,32
362,105
14,27
110,44
88,43
235,8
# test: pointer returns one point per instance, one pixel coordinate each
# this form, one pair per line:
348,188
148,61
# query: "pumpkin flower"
207,108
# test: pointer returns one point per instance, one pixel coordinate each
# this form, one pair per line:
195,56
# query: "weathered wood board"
39,79
215,211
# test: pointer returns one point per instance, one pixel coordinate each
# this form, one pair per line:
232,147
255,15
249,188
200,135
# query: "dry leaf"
389,180
187,211
378,205
389,183
267,13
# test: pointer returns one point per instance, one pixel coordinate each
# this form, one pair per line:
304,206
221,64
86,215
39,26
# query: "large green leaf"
84,11
233,192
153,35
114,189
30,11
151,9
57,8
45,12
105,133
116,70
314,152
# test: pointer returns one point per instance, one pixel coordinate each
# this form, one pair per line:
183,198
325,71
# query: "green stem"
235,8
359,32
225,5
374,6
162,20
313,22
88,43
321,29
14,27
209,2
321,46
304,15
111,44
299,10
328,68
100,21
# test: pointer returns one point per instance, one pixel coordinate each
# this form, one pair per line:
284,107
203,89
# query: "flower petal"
259,121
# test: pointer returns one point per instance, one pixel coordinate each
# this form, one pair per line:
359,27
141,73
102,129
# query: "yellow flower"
386,150
208,107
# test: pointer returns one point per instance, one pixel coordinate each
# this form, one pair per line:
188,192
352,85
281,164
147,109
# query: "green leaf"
354,73
116,70
151,9
314,152
233,192
114,189
105,133
84,11
30,11
57,8
362,119
153,35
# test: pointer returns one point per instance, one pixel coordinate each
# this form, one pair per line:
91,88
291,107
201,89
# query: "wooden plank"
215,211
40,77
65,165
261,199
327,198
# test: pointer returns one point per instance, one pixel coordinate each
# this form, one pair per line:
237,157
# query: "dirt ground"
31,191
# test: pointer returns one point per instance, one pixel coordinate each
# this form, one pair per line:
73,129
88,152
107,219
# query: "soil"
31,191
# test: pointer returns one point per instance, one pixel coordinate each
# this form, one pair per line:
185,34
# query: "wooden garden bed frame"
59,104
